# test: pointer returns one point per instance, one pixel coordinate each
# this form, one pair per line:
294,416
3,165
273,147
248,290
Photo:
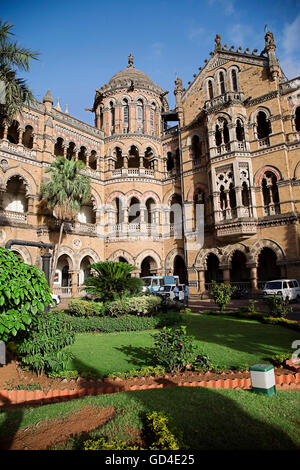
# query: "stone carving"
130,61
218,45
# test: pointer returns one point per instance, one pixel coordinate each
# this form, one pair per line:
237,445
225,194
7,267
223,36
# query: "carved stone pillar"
253,277
5,130
125,161
74,283
201,275
141,161
226,274
20,135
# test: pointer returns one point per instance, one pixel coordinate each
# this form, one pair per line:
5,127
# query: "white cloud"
239,34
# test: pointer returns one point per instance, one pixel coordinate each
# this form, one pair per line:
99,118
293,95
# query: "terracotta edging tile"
283,382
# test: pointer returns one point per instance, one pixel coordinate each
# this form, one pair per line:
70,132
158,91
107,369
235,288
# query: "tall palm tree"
64,194
14,92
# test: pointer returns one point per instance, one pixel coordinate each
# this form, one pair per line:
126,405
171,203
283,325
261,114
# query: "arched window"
225,132
270,194
297,119
59,147
27,139
170,161
112,117
218,136
210,89
152,117
240,134
245,195
119,160
140,116
263,125
234,80
222,83
125,116
196,147
12,133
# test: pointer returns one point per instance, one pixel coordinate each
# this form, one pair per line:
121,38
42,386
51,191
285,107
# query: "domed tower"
129,110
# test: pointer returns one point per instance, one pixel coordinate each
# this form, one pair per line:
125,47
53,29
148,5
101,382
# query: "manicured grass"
230,342
209,419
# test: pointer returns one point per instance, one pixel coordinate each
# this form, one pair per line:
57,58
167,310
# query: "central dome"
137,76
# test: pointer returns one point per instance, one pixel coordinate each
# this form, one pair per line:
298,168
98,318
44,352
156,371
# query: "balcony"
224,100
13,216
132,172
17,149
237,224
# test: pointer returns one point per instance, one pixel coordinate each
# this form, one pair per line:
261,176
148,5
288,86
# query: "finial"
130,61
58,105
67,109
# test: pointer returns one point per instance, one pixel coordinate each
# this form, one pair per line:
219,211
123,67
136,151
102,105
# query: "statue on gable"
218,45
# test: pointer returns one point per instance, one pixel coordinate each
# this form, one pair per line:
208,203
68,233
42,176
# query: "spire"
67,109
130,61
58,105
48,98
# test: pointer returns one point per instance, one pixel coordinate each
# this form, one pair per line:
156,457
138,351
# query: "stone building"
208,191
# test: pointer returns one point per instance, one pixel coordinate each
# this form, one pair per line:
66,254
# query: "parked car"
170,292
56,299
288,289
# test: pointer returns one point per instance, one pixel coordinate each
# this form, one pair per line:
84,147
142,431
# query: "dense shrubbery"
82,308
141,305
24,292
123,323
41,349
277,306
159,434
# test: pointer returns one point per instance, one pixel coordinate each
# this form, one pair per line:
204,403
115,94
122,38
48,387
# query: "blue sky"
83,44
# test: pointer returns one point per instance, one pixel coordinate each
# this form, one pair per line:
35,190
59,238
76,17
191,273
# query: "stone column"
226,274
5,130
125,161
141,161
20,136
74,283
201,275
253,277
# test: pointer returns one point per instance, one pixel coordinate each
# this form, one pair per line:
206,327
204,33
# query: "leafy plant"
84,308
64,193
175,351
221,294
111,280
13,57
278,306
41,349
24,293
140,305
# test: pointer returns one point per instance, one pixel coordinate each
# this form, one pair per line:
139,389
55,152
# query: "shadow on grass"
10,425
245,336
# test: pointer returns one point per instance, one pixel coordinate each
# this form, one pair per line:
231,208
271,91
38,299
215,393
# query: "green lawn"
210,419
230,342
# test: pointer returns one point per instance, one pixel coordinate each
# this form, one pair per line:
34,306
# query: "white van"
288,289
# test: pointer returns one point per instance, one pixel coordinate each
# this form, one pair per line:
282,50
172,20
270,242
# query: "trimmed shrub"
84,308
141,305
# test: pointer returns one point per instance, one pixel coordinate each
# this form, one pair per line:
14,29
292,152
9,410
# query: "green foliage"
175,351
13,57
111,280
156,371
221,294
277,306
23,294
41,349
83,308
280,359
141,305
159,433
67,189
186,311
110,325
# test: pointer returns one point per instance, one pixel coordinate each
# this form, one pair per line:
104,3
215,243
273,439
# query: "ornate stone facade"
234,153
